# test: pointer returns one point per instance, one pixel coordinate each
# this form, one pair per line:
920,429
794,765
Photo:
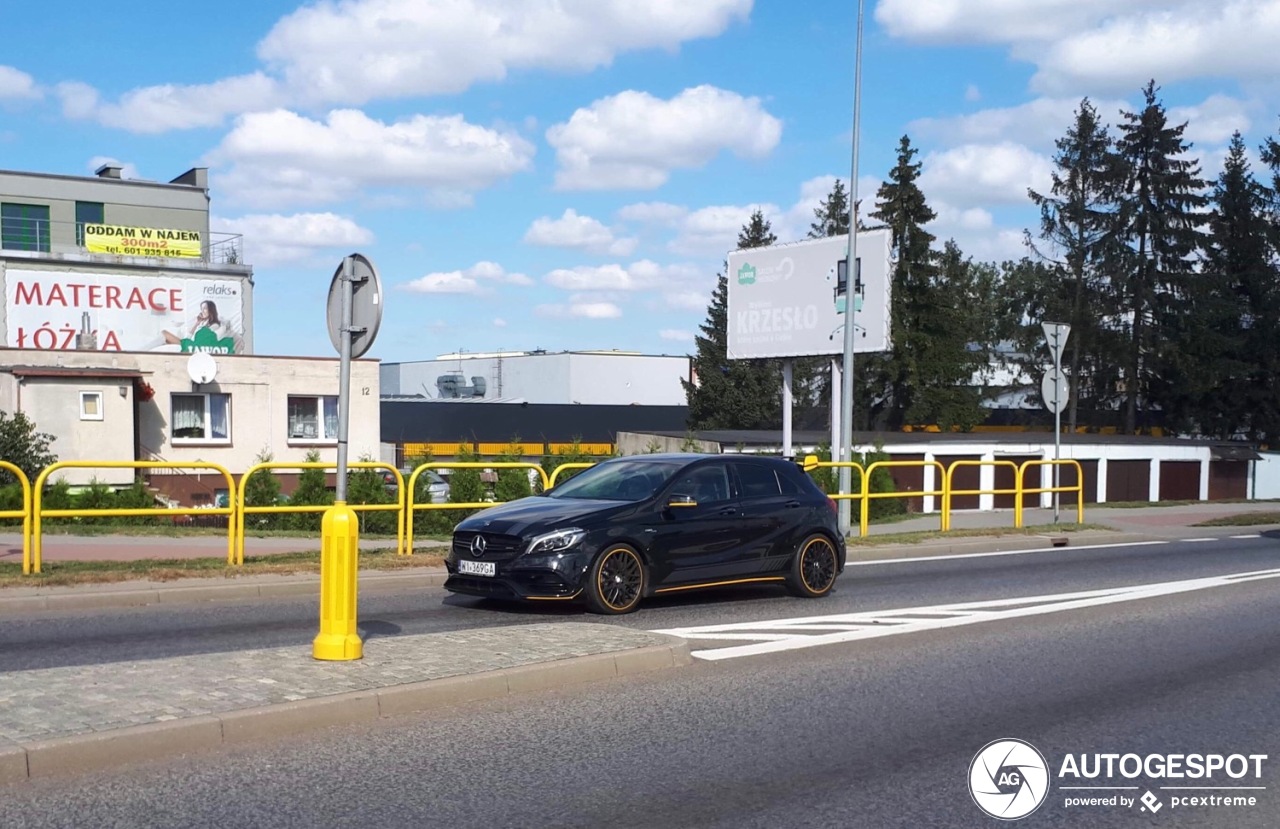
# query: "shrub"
366,486
311,491
262,489
513,484
95,496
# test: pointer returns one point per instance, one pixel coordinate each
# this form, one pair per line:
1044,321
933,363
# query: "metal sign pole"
1057,431
846,388
344,380
787,369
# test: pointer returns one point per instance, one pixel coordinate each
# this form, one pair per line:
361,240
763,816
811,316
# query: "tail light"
835,508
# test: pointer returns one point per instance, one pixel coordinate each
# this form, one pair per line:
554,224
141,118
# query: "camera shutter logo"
1008,779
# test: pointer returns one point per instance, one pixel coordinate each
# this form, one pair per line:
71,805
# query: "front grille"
480,587
498,547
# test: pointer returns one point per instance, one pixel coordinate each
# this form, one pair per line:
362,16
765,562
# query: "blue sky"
569,174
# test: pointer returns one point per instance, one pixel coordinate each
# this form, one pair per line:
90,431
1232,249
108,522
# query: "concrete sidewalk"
85,717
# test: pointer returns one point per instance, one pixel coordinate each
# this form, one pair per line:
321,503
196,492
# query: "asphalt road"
51,639
877,733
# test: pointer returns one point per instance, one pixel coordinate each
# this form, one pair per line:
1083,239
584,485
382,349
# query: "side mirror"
681,502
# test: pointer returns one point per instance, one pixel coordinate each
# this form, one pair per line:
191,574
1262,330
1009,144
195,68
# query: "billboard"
142,241
783,300
48,309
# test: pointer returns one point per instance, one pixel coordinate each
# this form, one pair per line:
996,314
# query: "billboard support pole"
846,387
787,450
836,453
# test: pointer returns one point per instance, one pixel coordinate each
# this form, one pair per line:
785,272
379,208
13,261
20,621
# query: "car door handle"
792,504
728,511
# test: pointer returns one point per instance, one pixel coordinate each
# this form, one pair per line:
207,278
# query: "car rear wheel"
616,581
813,570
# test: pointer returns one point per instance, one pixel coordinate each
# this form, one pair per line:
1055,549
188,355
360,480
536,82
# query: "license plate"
477,568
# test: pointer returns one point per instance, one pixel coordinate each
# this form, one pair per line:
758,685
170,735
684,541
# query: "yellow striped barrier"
25,514
38,513
243,509
1024,490
952,492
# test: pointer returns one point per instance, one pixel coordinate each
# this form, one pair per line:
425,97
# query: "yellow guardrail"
411,491
243,509
1024,490
25,514
950,491
38,514
555,473
809,466
867,494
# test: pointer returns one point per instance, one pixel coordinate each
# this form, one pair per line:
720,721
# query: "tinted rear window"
757,481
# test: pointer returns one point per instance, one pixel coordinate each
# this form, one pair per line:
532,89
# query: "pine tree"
1078,224
926,377
831,218
732,394
1235,324
1161,222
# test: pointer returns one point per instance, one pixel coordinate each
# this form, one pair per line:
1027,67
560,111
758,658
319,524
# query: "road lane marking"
955,556
1196,540
766,636
1251,535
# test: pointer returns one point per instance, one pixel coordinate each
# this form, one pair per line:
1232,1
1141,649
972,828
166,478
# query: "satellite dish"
202,368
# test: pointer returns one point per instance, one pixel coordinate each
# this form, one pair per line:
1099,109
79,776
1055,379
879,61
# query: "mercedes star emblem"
477,546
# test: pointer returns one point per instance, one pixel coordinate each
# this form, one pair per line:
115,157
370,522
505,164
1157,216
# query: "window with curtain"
313,418
201,417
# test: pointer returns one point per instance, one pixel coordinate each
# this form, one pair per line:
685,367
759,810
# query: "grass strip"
1244,519
884,539
68,573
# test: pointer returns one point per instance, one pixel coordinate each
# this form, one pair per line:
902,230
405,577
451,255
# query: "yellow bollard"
339,555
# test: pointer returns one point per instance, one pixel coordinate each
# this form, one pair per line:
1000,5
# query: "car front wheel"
616,581
813,570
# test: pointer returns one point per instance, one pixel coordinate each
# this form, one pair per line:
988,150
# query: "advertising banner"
49,309
142,241
783,300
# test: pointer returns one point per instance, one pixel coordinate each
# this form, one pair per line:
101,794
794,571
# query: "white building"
585,377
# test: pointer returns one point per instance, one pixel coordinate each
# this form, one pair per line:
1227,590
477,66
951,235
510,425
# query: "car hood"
529,516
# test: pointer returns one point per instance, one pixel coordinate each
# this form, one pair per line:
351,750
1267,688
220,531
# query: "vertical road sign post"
1054,390
354,313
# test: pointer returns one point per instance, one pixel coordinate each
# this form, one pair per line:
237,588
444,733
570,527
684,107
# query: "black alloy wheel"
617,581
813,571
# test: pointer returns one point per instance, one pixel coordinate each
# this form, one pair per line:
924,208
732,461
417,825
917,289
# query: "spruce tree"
1161,219
1078,226
732,394
831,218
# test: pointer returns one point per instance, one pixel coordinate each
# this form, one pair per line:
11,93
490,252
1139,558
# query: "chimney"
107,171
195,177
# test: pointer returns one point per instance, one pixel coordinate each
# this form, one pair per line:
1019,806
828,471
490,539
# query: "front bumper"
543,578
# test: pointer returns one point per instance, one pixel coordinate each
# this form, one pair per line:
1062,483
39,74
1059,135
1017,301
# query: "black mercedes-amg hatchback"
647,525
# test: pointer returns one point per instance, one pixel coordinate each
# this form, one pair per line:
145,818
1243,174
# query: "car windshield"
618,481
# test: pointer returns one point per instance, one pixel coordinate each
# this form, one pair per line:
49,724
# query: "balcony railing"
38,236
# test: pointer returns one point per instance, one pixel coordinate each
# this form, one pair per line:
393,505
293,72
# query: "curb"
86,599
990,544
63,756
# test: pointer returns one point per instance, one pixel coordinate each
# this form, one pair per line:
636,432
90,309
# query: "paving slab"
75,718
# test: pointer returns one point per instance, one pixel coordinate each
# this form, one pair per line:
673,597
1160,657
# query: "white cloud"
1176,40
281,157
994,21
687,300
499,322
676,335
976,174
79,100
409,48
156,109
653,213
713,231
431,47
470,281
578,232
634,141
1036,123
1214,120
17,85
272,239
127,168
644,275
972,93
582,310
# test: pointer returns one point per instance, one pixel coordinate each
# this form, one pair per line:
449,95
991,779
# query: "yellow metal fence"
406,505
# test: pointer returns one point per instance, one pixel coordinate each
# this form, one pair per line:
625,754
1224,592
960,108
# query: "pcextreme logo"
1009,779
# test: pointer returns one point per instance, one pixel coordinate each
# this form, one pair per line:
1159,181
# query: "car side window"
707,484
789,485
757,481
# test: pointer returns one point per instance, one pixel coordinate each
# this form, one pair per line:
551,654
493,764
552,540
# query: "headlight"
554,542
